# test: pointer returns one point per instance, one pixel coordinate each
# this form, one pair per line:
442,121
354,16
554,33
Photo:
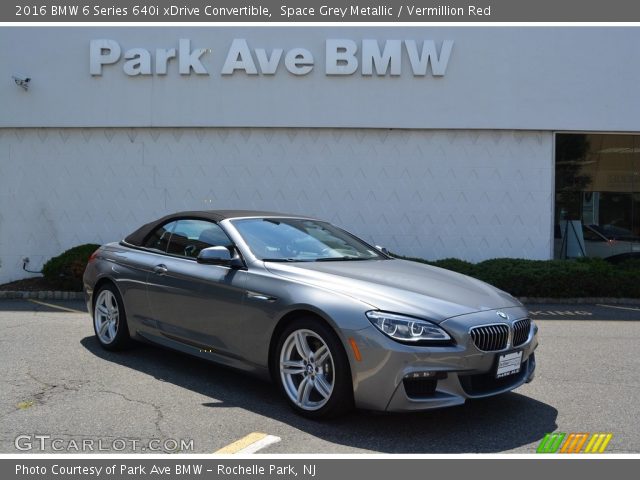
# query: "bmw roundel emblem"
502,315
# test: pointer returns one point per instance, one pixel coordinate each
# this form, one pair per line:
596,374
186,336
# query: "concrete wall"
467,194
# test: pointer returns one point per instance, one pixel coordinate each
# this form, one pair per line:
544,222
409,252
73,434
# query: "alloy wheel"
106,316
307,369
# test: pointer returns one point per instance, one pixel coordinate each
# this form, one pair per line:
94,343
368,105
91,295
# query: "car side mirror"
215,256
383,249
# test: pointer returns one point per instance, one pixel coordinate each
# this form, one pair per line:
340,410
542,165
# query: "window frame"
173,255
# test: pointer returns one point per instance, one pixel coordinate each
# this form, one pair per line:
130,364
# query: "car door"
131,267
194,304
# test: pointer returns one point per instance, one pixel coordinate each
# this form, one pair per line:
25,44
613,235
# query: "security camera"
22,82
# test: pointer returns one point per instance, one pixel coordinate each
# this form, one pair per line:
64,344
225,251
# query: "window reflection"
597,207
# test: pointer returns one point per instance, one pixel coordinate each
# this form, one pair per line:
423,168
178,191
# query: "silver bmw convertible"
334,321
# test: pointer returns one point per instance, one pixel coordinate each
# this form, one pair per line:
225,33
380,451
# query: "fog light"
436,375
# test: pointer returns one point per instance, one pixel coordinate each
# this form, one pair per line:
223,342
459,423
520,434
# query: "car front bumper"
391,376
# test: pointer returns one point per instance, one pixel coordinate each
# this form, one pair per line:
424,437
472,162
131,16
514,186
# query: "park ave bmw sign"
341,57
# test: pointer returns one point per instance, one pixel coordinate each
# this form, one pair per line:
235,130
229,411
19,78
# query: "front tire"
312,369
110,319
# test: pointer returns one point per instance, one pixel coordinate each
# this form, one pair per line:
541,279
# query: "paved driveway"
57,383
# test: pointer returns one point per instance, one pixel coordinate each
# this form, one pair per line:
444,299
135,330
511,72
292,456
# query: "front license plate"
508,364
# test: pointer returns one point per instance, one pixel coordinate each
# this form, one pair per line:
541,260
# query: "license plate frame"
508,363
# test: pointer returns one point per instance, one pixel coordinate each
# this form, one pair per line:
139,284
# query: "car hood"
400,286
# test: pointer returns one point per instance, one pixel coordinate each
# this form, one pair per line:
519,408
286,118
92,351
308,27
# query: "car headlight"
407,329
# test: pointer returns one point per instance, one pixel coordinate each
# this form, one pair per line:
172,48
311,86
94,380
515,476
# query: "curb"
41,295
580,301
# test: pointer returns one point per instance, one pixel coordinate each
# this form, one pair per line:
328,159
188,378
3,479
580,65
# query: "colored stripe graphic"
551,442
573,442
585,436
598,443
569,444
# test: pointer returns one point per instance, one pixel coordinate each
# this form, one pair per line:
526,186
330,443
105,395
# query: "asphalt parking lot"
57,383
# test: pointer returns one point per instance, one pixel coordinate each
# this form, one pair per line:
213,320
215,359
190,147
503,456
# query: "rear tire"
110,319
312,369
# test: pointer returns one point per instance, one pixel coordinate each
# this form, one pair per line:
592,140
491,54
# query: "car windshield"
300,240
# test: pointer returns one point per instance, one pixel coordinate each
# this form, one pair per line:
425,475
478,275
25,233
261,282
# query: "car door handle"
160,269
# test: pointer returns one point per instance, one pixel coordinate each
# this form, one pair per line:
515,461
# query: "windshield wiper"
325,259
286,260
340,259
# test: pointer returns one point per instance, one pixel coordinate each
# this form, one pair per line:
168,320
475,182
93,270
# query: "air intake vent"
420,387
490,337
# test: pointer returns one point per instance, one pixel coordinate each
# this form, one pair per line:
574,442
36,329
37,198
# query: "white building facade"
434,142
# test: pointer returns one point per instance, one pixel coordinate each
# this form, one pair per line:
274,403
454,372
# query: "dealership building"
468,142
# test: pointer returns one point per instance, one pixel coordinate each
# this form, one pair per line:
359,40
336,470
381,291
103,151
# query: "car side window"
159,239
191,236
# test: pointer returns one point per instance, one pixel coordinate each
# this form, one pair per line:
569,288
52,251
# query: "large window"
597,208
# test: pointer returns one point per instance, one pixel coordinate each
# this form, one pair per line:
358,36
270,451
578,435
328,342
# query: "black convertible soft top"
138,237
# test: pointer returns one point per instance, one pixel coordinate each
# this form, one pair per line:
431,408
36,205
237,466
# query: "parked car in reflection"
615,244
334,321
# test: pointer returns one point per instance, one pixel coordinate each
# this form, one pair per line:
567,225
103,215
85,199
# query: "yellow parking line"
51,305
242,443
248,444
